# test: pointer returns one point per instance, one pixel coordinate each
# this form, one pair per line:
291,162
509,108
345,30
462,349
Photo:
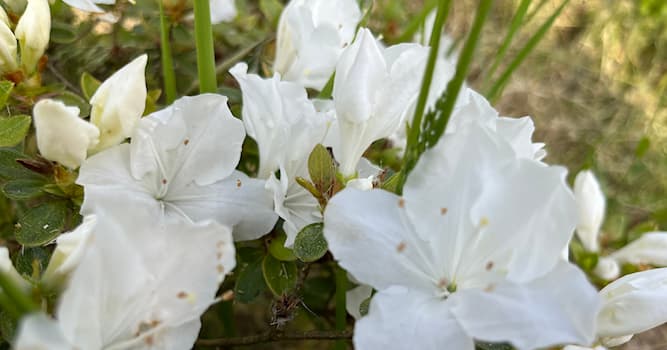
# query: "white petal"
38,332
222,11
559,308
514,214
633,303
591,208
33,31
61,135
237,201
311,36
399,319
7,267
368,231
607,268
8,58
616,341
649,249
119,103
70,249
355,297
84,5
279,116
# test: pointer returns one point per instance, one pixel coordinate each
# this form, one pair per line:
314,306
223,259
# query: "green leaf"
88,85
391,184
280,276
310,244
6,87
322,169
32,261
14,129
317,292
42,224
493,346
75,100
278,250
250,282
271,9
363,307
642,147
11,169
62,33
7,325
23,189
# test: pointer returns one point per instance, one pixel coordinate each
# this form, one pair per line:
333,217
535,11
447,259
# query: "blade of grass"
535,10
496,90
417,22
515,25
168,75
204,44
435,122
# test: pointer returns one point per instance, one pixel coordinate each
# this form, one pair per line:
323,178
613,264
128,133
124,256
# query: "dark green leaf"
310,244
11,169
278,250
5,90
250,282
492,346
280,276
88,85
41,224
32,261
62,33
7,325
317,292
13,129
23,189
363,307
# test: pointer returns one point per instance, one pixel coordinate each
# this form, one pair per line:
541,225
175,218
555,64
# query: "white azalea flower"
286,126
649,249
591,208
8,59
222,11
374,89
119,102
311,37
89,5
182,160
33,31
70,248
61,135
632,304
143,283
472,251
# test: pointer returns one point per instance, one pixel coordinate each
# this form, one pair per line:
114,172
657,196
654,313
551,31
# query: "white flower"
286,127
374,89
182,160
472,251
70,248
33,31
89,5
311,36
3,17
143,283
61,135
632,304
119,102
649,249
591,208
8,61
222,11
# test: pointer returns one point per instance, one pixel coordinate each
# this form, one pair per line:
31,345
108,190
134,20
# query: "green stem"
167,61
496,90
536,9
204,43
341,311
515,25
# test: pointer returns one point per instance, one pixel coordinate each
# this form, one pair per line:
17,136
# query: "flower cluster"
471,250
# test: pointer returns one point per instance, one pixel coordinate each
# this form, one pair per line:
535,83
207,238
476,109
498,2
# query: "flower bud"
8,61
33,32
649,249
69,250
61,135
607,269
119,103
591,209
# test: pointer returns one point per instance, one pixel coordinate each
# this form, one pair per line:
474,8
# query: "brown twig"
273,336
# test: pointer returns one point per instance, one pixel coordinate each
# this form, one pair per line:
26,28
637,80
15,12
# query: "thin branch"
273,336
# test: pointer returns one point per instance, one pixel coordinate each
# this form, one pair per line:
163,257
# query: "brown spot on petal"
164,181
182,295
442,283
489,266
490,288
238,183
221,269
401,247
149,340
443,211
401,203
186,141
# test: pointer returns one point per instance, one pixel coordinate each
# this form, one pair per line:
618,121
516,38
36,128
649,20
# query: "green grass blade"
204,42
417,22
515,25
168,75
496,90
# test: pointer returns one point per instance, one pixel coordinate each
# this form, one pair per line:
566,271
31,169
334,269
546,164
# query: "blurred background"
595,87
